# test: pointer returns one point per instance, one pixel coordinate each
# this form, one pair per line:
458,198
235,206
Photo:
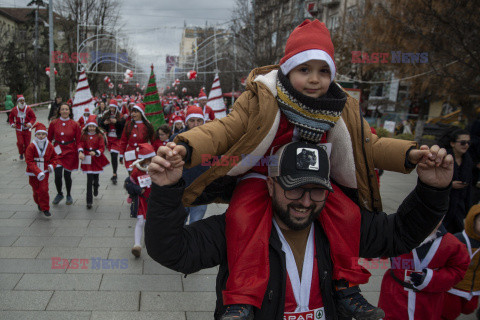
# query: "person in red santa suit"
178,125
91,151
83,119
41,160
138,130
113,123
65,133
161,136
143,183
22,119
202,103
415,286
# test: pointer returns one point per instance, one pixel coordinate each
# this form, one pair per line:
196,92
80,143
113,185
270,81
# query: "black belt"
65,143
403,283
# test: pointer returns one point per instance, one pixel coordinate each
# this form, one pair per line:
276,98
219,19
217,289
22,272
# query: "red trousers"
40,192
248,227
454,305
23,140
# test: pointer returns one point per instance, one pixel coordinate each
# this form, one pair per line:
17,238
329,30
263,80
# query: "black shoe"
58,198
69,200
238,312
47,213
89,206
114,179
21,157
351,303
121,160
39,209
95,191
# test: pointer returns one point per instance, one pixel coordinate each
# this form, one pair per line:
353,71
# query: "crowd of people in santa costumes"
91,149
64,133
22,118
84,118
41,160
209,115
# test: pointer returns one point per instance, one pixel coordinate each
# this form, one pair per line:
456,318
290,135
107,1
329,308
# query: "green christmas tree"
153,107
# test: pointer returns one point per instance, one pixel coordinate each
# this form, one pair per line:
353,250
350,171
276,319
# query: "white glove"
41,176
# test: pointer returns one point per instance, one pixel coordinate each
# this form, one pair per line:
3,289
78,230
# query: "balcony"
330,3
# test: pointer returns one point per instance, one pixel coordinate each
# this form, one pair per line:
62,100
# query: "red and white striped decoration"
83,97
215,99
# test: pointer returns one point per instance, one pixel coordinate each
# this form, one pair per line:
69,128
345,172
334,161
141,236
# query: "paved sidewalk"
136,288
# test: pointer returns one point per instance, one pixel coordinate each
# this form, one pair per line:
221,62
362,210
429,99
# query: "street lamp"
38,3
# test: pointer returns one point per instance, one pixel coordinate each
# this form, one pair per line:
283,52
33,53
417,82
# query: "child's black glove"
418,278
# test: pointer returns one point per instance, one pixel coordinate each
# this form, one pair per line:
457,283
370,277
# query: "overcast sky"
154,27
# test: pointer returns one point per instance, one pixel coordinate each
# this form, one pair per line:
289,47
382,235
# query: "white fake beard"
41,142
21,105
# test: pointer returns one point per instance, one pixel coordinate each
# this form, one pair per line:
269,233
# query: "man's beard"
285,217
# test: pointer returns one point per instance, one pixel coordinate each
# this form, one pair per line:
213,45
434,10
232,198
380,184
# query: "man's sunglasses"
316,194
464,142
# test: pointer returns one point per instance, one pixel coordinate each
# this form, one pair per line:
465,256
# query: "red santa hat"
309,41
113,103
140,107
202,95
20,97
194,112
92,121
40,128
145,151
86,110
178,119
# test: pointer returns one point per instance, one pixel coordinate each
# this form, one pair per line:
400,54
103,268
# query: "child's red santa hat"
39,128
86,110
20,97
194,112
145,151
140,107
309,41
177,119
91,121
202,95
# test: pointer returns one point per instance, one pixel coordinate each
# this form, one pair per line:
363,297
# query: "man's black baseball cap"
299,163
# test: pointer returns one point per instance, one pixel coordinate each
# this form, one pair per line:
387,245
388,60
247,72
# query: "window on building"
332,22
274,39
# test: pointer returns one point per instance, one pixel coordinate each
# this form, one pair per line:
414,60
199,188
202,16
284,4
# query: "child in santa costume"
41,160
202,103
113,123
178,125
161,136
22,119
463,297
138,130
83,119
297,100
64,133
140,178
91,152
415,286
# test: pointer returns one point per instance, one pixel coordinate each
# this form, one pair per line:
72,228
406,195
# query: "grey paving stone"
61,223
94,301
107,242
199,315
168,283
112,223
86,231
10,231
91,214
6,241
25,241
110,208
6,214
73,253
45,315
16,222
38,230
14,200
70,282
174,301
8,281
153,267
19,252
24,300
101,315
120,253
199,283
125,231
28,266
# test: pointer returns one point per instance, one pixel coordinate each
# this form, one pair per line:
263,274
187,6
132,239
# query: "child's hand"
81,156
92,153
113,120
